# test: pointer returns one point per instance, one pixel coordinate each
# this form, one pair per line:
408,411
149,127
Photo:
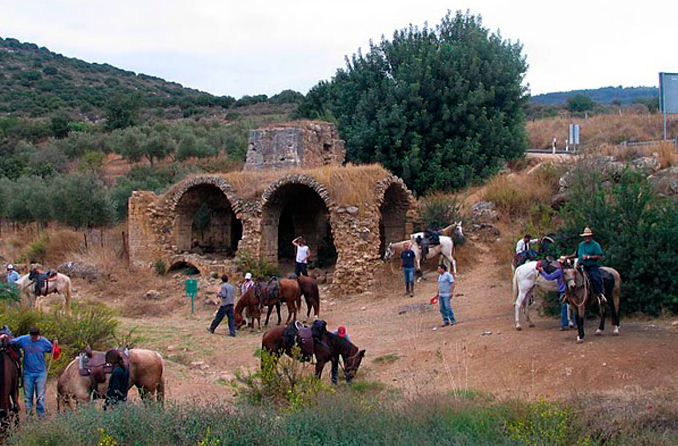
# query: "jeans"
334,373
34,383
301,269
446,310
226,310
593,272
408,272
564,309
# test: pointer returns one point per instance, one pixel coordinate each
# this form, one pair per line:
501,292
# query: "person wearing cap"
118,384
559,277
227,294
589,253
301,259
334,371
247,284
12,275
35,369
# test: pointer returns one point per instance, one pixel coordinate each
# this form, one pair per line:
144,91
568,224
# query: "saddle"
94,364
43,280
269,292
300,335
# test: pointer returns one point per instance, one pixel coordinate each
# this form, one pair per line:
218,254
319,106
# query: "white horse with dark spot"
59,284
444,249
526,279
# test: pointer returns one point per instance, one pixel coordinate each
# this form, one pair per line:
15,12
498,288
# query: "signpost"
574,136
668,95
192,290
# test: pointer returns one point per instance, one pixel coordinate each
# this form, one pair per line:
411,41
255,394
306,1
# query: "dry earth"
407,349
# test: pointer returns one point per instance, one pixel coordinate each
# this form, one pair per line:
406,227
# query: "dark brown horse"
9,384
309,289
327,347
277,291
579,294
249,303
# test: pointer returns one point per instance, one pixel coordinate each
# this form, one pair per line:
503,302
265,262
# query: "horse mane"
343,345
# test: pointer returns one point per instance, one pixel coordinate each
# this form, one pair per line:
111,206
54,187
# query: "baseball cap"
248,276
10,266
34,330
341,331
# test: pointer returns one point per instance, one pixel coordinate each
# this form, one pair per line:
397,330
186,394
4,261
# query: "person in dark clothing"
589,254
227,294
408,257
118,384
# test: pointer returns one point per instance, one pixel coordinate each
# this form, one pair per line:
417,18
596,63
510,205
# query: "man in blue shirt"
408,257
445,291
562,287
12,275
35,370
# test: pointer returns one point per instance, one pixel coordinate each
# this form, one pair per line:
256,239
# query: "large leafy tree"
439,107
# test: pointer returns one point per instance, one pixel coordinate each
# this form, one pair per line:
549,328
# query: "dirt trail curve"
404,350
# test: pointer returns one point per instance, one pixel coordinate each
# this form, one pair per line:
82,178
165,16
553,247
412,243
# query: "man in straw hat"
589,253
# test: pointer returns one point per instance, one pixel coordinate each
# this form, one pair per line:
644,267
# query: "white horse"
525,279
452,230
60,284
445,249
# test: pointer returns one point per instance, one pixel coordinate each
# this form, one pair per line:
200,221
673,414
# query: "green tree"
580,103
59,125
158,147
439,107
121,111
81,200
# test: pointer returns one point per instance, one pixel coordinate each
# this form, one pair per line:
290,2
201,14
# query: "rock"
363,308
352,210
666,182
199,365
484,231
214,275
484,212
152,295
78,269
171,348
559,200
646,165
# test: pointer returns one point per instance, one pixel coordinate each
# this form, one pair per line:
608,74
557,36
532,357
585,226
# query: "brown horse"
250,304
146,373
579,292
277,291
327,347
309,289
9,385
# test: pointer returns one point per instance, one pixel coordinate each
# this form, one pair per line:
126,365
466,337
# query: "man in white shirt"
301,260
523,250
524,243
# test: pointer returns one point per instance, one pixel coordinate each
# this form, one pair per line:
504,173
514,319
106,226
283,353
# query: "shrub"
160,267
439,210
256,265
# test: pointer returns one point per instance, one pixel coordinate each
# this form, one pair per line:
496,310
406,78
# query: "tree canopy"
439,107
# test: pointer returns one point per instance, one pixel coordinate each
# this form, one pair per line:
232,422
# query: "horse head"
458,231
352,363
239,320
4,339
33,274
389,252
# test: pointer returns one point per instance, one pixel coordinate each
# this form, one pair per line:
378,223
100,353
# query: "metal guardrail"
551,152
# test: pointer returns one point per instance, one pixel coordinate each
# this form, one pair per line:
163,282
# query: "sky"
239,47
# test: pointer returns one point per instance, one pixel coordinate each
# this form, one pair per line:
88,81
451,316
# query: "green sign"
192,290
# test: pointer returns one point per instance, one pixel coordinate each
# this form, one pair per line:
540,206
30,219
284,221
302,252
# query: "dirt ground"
407,348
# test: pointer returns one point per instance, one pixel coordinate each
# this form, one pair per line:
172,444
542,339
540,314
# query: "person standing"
558,276
247,284
589,253
227,294
341,332
408,257
445,292
118,384
35,369
301,259
334,371
12,275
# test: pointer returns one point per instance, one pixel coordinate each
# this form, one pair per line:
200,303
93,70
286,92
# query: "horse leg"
615,319
527,309
277,309
580,327
519,303
319,365
603,315
268,315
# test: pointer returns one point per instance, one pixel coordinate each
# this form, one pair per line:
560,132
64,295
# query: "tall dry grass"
665,151
516,194
600,129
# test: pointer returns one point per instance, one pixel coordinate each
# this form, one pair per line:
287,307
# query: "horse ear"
361,353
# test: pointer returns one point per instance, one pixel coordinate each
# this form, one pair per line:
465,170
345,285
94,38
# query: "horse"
9,385
525,279
309,289
453,230
327,347
578,293
445,249
273,294
146,374
250,303
60,284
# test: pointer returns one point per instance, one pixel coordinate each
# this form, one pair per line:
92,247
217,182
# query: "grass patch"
389,358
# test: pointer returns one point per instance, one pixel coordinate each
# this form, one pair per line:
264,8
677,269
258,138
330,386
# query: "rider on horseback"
589,253
523,251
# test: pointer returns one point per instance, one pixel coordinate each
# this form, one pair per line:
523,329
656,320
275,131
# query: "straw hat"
587,232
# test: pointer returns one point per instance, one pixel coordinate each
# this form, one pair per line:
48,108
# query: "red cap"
341,331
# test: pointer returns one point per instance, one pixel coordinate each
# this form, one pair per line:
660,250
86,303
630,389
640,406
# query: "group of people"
589,253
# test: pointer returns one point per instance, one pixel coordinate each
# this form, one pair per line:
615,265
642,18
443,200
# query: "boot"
407,288
411,289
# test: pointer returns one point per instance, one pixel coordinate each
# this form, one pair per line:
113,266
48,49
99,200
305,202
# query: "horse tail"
160,390
514,293
68,293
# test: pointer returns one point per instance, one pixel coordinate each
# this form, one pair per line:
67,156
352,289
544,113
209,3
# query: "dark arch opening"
393,217
297,210
186,267
206,223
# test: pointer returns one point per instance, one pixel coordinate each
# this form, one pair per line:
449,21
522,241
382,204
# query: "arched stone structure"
396,210
297,205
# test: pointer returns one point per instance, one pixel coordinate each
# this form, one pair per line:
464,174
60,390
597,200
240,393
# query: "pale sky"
251,47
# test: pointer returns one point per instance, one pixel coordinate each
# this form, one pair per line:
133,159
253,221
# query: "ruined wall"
300,144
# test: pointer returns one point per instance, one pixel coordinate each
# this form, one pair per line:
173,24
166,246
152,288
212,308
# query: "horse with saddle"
93,365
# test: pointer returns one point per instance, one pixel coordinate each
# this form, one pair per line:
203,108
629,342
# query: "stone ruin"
206,220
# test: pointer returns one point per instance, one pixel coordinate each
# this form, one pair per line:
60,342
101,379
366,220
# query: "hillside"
603,95
36,82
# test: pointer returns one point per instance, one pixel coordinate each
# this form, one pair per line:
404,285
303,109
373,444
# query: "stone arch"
183,265
205,211
292,206
395,204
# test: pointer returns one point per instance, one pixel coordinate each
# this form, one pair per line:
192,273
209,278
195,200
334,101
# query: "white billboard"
668,92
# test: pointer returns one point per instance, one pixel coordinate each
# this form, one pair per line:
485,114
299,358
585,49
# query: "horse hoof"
579,340
616,331
518,327
599,332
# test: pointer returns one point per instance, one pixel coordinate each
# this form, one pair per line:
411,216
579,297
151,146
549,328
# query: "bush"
255,265
439,210
160,267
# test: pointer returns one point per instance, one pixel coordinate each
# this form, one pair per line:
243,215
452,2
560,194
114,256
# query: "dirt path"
407,349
